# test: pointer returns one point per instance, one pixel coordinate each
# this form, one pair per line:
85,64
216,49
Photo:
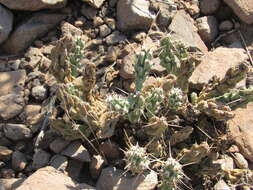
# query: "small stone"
32,114
127,67
7,173
208,7
98,21
110,150
96,165
78,23
139,36
88,12
74,169
240,161
221,185
5,153
233,149
6,23
69,29
104,30
95,3
19,161
17,132
226,25
11,184
226,163
110,178
112,54
39,92
59,162
115,38
207,28
166,13
134,15
110,22
40,159
77,151
58,145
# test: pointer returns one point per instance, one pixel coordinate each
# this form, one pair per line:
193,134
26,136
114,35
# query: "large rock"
37,26
216,63
12,82
6,22
17,132
112,178
134,15
241,131
49,178
33,5
189,33
243,9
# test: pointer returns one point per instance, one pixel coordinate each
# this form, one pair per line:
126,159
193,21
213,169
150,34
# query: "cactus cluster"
160,114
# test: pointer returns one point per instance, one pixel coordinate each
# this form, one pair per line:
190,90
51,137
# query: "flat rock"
6,23
17,132
5,153
112,178
189,35
11,184
94,3
33,5
12,82
23,36
134,15
243,9
77,151
241,131
216,63
49,178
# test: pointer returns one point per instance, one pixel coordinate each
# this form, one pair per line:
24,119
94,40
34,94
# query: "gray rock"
127,66
39,92
58,145
226,163
208,7
110,149
17,132
89,12
40,159
134,15
104,30
94,3
115,38
166,13
32,114
112,178
77,151
240,161
23,36
69,29
243,9
189,35
59,162
6,23
19,161
33,5
12,82
74,169
207,28
226,25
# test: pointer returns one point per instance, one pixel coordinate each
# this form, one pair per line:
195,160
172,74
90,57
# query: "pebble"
104,31
5,153
19,161
17,132
240,161
39,92
96,165
59,162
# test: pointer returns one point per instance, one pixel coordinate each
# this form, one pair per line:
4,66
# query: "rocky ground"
36,154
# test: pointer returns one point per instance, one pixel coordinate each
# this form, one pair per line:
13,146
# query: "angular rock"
189,35
6,23
208,7
17,132
110,149
58,145
32,114
40,159
207,28
69,29
33,5
49,178
115,38
5,153
112,178
94,3
19,161
77,151
166,13
104,30
127,66
38,25
134,15
240,161
39,92
74,169
240,130
59,162
12,82
216,63
243,9
221,185
11,184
